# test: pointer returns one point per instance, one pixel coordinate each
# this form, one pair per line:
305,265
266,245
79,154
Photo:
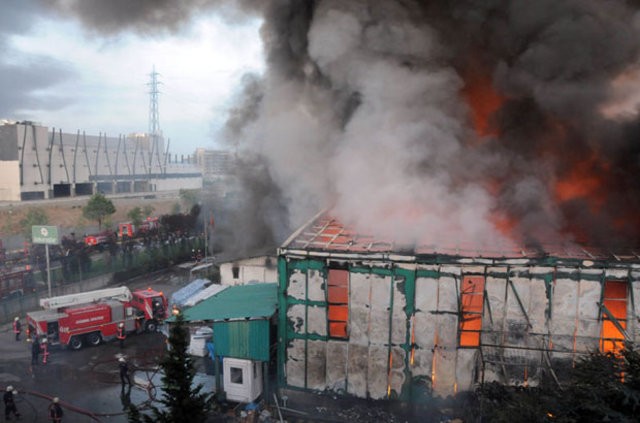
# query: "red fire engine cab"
128,229
92,317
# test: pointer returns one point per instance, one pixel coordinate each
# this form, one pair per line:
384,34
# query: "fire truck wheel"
94,338
150,325
75,343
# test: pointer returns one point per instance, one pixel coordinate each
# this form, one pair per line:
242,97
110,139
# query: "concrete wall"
403,327
8,150
177,181
9,180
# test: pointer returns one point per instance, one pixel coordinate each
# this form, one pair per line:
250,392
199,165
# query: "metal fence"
101,270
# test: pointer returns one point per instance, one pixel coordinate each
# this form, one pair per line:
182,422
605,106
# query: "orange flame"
483,100
583,181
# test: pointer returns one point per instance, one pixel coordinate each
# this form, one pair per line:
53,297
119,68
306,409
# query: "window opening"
338,303
471,304
614,316
235,375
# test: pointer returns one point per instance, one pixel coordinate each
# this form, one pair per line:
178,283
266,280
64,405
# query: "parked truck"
100,240
130,230
92,317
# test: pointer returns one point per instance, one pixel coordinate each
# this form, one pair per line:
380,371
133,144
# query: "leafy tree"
135,214
601,387
34,216
148,210
604,387
98,208
182,402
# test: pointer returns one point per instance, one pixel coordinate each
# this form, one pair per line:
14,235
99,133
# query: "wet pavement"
86,381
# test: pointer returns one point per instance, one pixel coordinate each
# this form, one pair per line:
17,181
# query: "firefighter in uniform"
157,310
35,350
10,404
55,411
17,328
124,371
121,335
44,347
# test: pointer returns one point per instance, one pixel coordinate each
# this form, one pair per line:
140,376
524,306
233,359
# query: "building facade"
214,163
248,270
218,169
38,163
361,318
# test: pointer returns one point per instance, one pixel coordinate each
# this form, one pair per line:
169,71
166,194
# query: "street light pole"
42,234
206,236
46,252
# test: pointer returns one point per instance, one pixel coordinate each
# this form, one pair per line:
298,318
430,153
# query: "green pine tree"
181,401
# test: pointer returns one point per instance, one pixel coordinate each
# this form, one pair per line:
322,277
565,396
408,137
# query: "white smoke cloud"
394,169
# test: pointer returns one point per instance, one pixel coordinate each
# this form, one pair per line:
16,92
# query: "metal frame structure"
541,312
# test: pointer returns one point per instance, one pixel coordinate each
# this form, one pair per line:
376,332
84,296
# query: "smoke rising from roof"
473,121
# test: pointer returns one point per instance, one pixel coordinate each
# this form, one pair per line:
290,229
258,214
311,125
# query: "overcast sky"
55,72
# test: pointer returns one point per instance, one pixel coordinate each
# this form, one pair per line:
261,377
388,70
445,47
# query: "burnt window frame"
606,302
472,313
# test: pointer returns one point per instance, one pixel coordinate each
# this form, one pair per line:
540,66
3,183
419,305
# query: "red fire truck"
92,317
128,229
98,240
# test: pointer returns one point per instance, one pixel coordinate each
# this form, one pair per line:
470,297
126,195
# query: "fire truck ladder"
120,293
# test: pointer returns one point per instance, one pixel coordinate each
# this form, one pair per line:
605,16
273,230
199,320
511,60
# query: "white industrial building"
38,163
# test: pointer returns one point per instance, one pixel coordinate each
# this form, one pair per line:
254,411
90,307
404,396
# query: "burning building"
376,320
484,150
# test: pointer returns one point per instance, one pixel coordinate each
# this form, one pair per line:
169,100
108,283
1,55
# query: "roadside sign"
45,235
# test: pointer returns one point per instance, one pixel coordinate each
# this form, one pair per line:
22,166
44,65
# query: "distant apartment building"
218,171
214,163
38,163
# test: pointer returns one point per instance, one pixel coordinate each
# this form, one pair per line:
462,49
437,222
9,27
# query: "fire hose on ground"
148,387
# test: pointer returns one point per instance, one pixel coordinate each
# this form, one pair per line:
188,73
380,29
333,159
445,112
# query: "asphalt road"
86,381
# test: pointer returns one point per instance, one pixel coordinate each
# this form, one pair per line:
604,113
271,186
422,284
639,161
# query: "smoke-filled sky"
484,123
92,74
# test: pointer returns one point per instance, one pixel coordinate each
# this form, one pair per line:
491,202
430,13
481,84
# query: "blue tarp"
183,294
